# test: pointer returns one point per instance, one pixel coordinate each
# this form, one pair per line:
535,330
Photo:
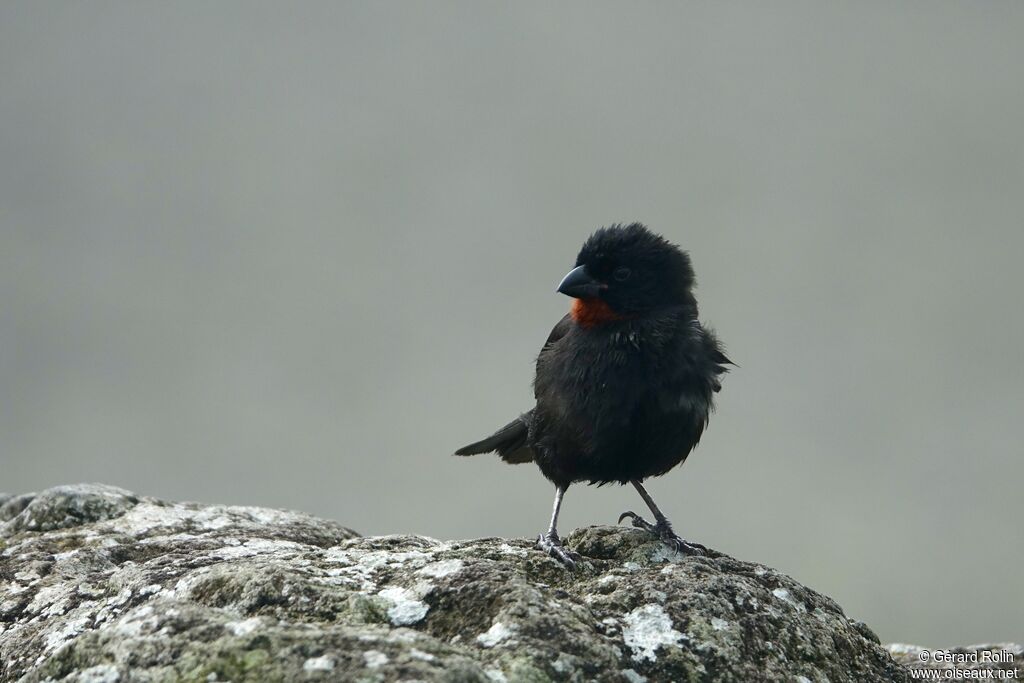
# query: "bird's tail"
509,442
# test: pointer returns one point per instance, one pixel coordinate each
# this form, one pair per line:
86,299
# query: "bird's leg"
550,542
662,527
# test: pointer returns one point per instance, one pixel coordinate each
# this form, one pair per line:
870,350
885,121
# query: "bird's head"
624,272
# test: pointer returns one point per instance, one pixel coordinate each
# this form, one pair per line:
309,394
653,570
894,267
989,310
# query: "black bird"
625,382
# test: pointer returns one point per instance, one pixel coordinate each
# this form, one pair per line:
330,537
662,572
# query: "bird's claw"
638,521
552,545
681,545
663,530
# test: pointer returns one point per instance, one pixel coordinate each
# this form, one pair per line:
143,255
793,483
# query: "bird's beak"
580,285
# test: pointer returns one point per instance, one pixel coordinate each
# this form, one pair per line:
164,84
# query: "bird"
625,383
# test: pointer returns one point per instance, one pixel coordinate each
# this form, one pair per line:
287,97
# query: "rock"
100,585
66,506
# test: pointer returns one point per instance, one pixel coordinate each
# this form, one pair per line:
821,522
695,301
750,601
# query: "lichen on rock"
99,584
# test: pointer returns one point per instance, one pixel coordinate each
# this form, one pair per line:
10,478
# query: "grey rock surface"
98,584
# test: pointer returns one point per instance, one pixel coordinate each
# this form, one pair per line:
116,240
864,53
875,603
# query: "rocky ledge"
98,584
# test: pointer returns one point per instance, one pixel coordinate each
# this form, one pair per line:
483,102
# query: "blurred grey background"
294,255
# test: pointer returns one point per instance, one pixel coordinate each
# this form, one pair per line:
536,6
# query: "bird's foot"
663,530
552,545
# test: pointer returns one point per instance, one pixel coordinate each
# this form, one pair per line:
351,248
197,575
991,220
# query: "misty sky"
294,255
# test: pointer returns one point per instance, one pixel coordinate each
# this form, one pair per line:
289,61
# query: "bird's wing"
510,442
557,332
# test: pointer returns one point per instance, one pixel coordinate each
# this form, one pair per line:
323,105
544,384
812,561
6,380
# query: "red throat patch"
591,312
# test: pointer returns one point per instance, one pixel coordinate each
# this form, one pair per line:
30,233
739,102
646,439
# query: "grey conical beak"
579,284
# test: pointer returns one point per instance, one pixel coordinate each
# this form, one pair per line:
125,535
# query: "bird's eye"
622,274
